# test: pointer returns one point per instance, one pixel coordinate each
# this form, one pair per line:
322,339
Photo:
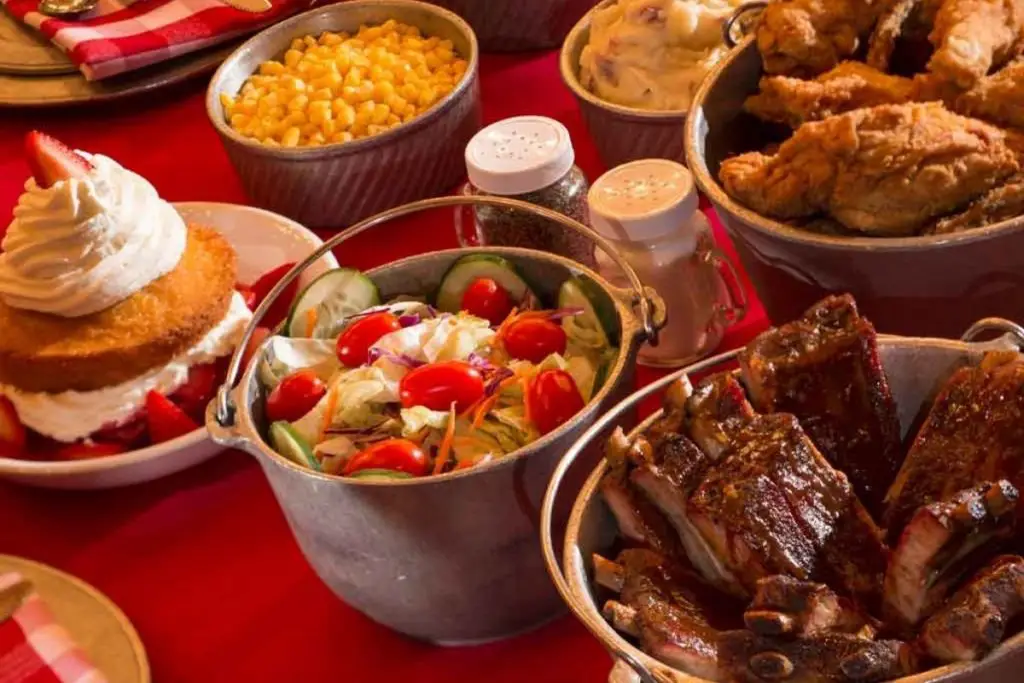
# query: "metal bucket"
932,285
452,558
915,368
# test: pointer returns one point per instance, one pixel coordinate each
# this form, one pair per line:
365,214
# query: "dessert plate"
96,624
263,241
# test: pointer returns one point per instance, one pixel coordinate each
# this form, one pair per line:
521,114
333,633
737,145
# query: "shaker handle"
736,310
650,324
738,25
1008,329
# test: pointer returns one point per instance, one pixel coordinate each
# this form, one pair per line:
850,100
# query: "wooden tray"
34,73
98,626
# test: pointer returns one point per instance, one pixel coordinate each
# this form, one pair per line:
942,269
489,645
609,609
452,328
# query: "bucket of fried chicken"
408,419
826,504
874,148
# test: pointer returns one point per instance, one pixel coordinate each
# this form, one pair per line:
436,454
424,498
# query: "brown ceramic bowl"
519,25
914,367
335,185
621,134
930,286
453,558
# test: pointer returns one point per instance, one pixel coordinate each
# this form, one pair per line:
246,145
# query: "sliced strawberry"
51,160
261,288
131,433
248,295
166,420
198,391
81,450
12,433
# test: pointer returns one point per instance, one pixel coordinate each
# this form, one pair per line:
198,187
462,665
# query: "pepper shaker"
530,158
649,210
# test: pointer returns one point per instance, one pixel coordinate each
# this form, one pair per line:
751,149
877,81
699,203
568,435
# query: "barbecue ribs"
974,432
974,621
784,606
825,369
943,542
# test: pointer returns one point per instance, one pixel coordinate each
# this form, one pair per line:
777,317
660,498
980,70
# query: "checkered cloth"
36,649
122,35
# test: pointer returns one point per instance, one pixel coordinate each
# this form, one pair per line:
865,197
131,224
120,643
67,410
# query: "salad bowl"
451,558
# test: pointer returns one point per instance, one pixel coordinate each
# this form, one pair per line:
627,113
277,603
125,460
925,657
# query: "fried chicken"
998,98
886,170
849,86
809,37
997,205
973,36
888,29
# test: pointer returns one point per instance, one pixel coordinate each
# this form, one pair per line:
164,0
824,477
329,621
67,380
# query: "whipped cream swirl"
84,245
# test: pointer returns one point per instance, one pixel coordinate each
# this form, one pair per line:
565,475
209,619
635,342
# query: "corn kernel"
298,103
343,136
323,94
383,90
354,76
380,114
331,39
393,120
427,97
226,100
364,91
319,112
292,57
271,68
239,120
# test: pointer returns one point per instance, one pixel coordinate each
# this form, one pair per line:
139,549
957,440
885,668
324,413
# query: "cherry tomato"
295,396
486,299
261,288
401,455
534,339
553,399
355,342
438,385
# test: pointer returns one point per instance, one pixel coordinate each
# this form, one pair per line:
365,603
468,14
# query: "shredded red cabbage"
500,375
560,313
409,320
406,361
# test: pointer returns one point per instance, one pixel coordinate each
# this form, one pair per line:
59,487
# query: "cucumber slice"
287,441
380,474
335,295
598,313
469,268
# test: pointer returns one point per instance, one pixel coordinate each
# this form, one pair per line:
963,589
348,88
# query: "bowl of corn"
348,110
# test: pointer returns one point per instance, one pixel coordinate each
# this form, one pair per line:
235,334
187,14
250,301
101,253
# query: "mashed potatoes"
652,54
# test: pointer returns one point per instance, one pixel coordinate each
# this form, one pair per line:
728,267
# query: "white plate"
263,241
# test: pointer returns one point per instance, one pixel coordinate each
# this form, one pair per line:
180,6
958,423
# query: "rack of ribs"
747,657
944,542
825,369
784,606
974,620
974,432
662,605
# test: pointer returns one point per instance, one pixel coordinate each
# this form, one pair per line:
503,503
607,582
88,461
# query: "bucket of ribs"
896,176
841,507
453,557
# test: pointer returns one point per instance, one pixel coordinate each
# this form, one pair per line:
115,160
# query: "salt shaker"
649,210
530,158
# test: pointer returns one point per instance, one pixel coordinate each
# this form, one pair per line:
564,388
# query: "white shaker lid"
519,155
642,200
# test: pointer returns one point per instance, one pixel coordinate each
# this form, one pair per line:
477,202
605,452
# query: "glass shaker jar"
648,210
529,158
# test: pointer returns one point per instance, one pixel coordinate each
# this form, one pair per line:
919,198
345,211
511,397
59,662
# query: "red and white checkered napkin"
36,649
121,35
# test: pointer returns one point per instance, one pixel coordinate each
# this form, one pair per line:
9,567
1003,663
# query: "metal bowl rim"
571,79
340,149
579,582
777,229
252,438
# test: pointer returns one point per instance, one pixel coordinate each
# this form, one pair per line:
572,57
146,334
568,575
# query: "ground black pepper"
498,226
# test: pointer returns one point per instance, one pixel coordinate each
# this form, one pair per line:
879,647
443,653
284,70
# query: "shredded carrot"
526,397
446,444
506,322
332,403
311,318
481,412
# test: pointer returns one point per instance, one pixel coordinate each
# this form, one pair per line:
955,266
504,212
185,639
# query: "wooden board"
24,51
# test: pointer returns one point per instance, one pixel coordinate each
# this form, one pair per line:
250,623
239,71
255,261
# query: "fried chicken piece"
885,170
809,37
1001,204
888,29
998,98
973,36
849,86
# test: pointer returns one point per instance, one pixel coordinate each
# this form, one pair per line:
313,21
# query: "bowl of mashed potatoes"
634,66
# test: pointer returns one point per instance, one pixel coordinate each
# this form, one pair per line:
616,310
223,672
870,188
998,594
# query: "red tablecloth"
203,562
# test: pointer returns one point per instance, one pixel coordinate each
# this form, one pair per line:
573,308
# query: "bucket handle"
597,625
1008,329
651,321
740,22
